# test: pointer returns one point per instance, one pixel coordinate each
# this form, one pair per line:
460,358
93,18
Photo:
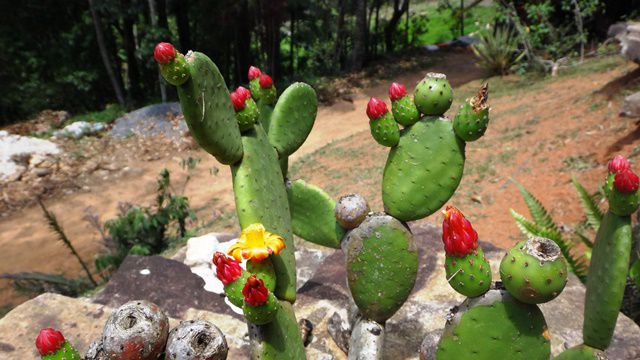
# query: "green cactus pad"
433,95
266,110
621,204
469,275
208,110
67,352
495,326
382,264
260,197
385,130
268,95
534,271
472,119
234,290
293,118
248,116
607,279
262,314
581,352
405,111
278,340
423,170
176,72
264,271
312,215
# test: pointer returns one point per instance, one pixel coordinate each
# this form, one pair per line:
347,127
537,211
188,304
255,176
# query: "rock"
628,34
40,172
158,119
17,151
631,106
167,283
79,129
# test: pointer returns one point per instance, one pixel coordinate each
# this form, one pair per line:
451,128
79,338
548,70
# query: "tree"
399,8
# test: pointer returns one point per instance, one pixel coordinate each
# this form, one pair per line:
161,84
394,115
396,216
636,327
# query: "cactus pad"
582,352
423,170
534,271
278,340
433,94
293,118
208,111
261,199
312,215
382,264
472,119
492,326
607,279
469,275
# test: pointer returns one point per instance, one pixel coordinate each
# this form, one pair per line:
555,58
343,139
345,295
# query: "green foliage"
540,215
38,283
498,50
107,116
591,209
146,230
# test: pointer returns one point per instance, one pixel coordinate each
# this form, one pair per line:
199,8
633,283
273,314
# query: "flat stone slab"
152,120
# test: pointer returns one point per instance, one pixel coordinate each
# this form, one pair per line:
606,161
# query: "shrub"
498,50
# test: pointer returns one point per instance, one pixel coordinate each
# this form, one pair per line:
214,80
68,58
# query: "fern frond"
539,214
591,209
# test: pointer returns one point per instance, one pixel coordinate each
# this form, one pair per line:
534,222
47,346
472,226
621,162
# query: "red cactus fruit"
458,235
618,164
397,91
376,108
254,291
227,268
265,81
237,100
626,181
49,341
254,72
164,53
243,92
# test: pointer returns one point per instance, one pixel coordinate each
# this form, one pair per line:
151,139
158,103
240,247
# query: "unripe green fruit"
248,116
385,130
262,314
534,271
471,121
404,111
469,275
582,352
264,271
621,204
234,289
433,95
176,72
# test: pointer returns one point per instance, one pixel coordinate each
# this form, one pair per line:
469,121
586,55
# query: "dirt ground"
541,133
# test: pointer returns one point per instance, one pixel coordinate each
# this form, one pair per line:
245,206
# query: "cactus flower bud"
254,72
618,164
227,268
164,53
265,81
254,291
626,181
49,341
458,235
397,91
237,100
376,108
243,92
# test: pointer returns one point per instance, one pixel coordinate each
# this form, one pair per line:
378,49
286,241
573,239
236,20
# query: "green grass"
578,163
431,25
107,116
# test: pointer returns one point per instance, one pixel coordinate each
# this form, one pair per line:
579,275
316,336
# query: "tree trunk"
154,23
359,35
338,49
162,14
105,55
242,42
129,44
181,10
398,11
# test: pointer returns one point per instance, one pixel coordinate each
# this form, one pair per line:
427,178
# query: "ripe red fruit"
618,164
243,92
164,53
237,100
458,235
254,72
227,268
265,81
255,294
376,108
49,341
397,91
626,181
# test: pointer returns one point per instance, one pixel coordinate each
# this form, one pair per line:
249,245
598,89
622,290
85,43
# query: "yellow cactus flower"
256,244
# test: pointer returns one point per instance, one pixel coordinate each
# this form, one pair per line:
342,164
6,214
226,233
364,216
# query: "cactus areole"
49,341
458,235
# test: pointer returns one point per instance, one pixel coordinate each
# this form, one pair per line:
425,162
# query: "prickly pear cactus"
534,271
495,325
582,352
52,345
610,256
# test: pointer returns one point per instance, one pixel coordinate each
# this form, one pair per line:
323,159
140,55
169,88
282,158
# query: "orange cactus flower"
256,244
